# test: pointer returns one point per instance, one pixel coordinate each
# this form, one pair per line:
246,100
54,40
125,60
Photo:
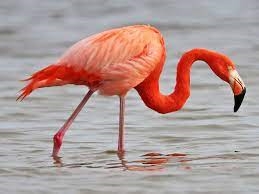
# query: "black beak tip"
239,99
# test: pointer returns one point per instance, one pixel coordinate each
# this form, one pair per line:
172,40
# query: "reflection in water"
152,161
149,162
58,162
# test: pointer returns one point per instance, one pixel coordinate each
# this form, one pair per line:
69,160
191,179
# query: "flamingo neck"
149,88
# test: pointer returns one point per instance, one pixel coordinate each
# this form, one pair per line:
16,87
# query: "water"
221,147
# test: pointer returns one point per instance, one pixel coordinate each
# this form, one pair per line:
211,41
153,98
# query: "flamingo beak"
238,88
239,99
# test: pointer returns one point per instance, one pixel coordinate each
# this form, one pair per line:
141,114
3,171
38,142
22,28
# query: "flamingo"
114,61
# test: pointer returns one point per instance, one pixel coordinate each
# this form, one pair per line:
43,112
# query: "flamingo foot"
121,154
57,142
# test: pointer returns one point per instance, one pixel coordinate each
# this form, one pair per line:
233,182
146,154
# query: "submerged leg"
121,149
58,137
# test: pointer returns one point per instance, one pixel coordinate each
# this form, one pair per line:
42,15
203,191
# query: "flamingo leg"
58,137
121,149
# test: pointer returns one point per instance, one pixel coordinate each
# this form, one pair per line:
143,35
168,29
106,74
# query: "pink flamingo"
117,60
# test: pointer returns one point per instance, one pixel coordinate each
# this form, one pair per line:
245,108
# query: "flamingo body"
112,62
117,60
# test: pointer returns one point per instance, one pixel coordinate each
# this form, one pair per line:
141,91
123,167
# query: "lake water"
221,147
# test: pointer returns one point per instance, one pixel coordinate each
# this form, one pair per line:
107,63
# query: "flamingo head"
238,87
226,70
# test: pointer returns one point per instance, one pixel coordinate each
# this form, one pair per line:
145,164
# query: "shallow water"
221,147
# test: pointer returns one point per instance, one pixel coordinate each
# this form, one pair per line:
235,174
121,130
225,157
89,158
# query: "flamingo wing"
122,58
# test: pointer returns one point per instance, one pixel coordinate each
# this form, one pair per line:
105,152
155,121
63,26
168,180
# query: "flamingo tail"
52,75
58,75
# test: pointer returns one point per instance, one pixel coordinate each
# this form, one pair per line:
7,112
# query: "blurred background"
221,146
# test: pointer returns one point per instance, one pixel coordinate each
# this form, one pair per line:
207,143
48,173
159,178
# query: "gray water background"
221,146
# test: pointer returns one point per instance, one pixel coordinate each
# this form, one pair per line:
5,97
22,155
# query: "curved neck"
149,88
